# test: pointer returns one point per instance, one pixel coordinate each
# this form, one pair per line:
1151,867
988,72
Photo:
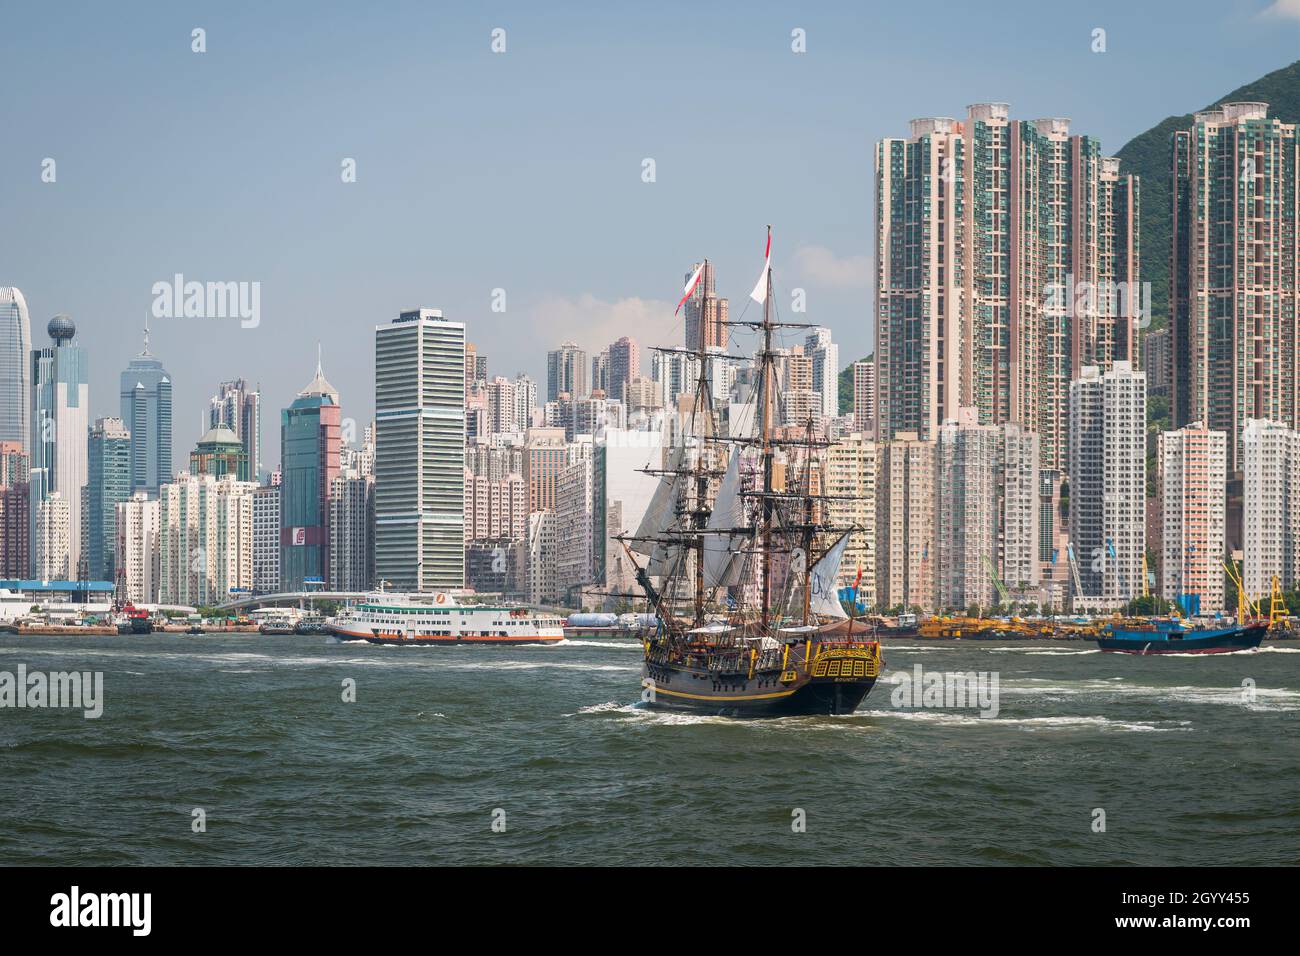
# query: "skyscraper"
137,549
990,232
825,357
15,512
706,314
108,484
1233,283
15,372
966,504
1270,506
146,410
1108,484
624,365
864,396
239,408
351,528
309,462
566,372
905,516
420,451
59,422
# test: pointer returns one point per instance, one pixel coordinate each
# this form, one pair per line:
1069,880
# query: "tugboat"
133,620
744,580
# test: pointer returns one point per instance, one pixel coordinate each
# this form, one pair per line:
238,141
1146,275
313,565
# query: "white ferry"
388,618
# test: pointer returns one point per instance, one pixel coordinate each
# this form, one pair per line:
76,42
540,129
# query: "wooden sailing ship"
742,569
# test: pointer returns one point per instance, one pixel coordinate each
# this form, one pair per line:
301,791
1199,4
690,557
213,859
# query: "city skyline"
561,280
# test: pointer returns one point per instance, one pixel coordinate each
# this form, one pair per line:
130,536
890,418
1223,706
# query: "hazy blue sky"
519,170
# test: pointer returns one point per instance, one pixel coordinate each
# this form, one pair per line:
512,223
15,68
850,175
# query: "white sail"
824,581
662,510
722,558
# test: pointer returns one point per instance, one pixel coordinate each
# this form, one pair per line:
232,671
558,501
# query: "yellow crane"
1244,603
1277,612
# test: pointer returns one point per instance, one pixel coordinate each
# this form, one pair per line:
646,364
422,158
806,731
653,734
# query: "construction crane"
1277,612
997,582
1244,603
1074,570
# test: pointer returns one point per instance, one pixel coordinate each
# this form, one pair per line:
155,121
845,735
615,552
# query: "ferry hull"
1192,642
424,641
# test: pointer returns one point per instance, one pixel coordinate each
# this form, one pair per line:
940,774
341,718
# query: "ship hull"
747,699
1220,641
425,641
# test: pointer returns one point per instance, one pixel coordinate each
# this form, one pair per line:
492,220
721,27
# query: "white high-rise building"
541,558
851,487
1270,505
137,548
905,516
51,540
1191,470
966,502
1020,484
1108,483
205,533
825,356
420,452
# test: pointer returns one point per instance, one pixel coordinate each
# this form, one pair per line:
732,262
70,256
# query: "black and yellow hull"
811,678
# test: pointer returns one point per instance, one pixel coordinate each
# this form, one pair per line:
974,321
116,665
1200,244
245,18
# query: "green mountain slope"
1147,155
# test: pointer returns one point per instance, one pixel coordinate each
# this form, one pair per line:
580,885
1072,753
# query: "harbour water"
1188,765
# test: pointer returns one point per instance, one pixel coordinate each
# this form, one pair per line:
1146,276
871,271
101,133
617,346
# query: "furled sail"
824,581
723,559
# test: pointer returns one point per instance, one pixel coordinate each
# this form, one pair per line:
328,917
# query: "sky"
522,170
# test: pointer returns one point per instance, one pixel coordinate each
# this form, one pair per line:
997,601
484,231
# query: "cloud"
819,264
595,323
1283,10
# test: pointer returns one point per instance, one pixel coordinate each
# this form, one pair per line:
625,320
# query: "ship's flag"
759,294
691,283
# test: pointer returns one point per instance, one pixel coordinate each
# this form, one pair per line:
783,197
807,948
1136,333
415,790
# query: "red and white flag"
690,287
759,294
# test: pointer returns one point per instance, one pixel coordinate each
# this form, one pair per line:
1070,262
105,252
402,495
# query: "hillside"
1147,155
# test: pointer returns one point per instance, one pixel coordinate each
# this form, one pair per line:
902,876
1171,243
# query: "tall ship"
738,561
438,618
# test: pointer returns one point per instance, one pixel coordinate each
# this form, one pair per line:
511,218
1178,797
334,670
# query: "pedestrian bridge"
287,597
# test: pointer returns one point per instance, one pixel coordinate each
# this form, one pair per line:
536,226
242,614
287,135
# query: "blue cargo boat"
1174,636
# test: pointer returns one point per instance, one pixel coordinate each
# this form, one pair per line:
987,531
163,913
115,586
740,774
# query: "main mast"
765,438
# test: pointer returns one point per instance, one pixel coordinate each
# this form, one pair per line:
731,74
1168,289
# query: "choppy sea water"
253,730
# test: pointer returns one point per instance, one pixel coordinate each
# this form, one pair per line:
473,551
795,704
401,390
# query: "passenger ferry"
419,619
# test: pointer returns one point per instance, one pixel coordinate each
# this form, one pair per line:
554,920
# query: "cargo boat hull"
1217,641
